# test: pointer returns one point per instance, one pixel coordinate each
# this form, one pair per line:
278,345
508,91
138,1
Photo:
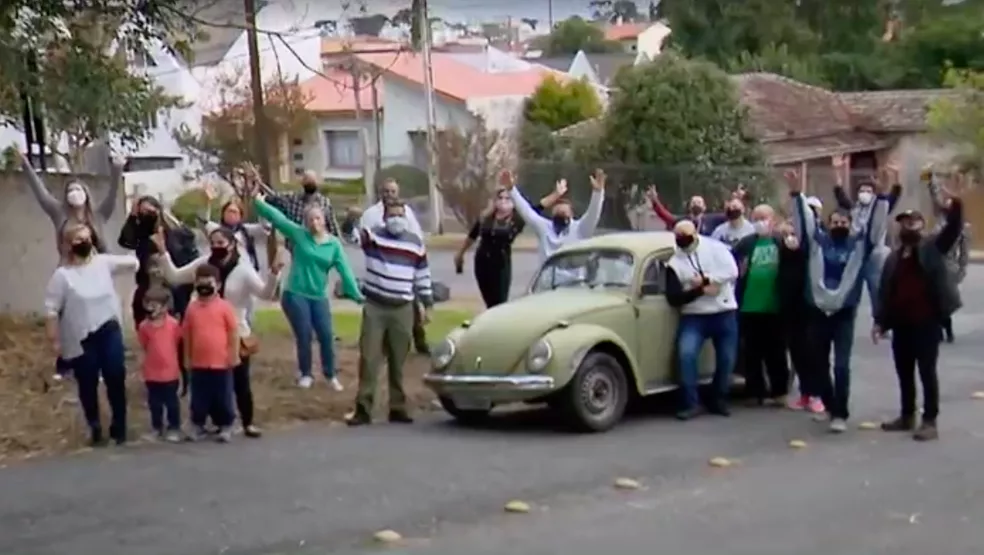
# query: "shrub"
193,204
413,180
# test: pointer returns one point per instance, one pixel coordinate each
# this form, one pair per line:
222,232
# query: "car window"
589,269
654,278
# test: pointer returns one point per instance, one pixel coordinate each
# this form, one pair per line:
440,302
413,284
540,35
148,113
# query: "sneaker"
358,418
336,385
199,434
821,417
305,382
400,417
173,436
926,432
689,414
57,377
816,406
252,431
225,435
900,424
799,403
718,408
838,426
775,402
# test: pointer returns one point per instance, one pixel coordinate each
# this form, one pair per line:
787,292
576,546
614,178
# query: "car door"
656,323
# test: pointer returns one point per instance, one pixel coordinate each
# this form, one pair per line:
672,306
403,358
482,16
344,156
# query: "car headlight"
539,355
442,354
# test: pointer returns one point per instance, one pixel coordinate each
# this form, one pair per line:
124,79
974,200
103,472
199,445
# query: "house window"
344,149
298,171
151,163
298,156
297,142
418,145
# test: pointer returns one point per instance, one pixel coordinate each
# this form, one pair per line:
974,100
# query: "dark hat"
909,215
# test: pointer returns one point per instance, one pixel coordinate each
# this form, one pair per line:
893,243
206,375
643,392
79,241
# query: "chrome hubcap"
598,393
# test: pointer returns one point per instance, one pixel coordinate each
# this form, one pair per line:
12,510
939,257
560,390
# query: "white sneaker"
838,426
821,417
336,385
305,382
57,377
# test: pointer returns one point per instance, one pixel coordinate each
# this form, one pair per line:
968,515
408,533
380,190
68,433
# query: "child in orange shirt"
211,345
160,336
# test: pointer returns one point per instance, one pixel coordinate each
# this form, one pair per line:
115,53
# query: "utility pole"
260,135
436,206
550,13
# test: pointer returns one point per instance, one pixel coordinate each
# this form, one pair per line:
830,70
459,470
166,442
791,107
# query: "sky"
476,11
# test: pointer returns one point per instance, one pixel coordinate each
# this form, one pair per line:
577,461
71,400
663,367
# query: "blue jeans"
162,400
692,332
309,317
834,332
102,355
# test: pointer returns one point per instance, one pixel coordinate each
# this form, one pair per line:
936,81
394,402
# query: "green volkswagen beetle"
595,332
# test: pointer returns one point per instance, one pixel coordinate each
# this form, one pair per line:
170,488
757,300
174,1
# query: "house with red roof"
465,90
642,39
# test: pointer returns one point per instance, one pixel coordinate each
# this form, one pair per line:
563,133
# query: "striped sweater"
397,271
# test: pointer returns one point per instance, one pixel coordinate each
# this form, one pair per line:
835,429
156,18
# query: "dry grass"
39,416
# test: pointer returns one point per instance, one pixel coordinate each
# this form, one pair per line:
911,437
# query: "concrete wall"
27,241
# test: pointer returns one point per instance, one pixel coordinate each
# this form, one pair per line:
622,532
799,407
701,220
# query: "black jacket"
931,255
181,246
791,280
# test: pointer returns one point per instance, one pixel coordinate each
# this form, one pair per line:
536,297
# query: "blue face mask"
396,225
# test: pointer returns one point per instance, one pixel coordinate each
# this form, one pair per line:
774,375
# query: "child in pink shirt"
159,336
211,344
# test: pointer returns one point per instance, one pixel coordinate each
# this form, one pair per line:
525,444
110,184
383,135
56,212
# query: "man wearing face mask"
837,257
293,204
861,213
696,212
700,283
917,293
562,228
736,227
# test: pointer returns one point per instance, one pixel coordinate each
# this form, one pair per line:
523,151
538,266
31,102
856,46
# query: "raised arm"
878,223
292,231
108,204
588,223
120,263
804,220
51,205
526,211
183,275
662,213
935,193
953,227
842,198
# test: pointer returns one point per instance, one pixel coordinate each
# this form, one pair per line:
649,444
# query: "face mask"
75,198
220,252
684,241
82,249
396,225
560,222
865,198
504,205
696,210
205,289
310,188
839,233
762,227
154,310
909,236
148,222
732,214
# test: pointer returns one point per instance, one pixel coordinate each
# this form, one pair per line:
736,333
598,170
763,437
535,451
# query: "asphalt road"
325,489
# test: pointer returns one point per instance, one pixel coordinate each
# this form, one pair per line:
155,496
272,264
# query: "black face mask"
310,188
696,210
684,241
560,222
839,233
148,223
82,250
219,253
732,214
910,236
205,289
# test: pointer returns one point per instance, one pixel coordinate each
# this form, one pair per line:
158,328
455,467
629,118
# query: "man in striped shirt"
397,273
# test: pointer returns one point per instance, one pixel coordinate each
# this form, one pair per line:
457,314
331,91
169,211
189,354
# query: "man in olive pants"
397,275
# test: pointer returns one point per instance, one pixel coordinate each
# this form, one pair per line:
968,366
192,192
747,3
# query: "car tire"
597,396
465,416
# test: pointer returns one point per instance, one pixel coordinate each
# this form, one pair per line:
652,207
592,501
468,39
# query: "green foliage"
574,34
558,105
413,180
192,205
961,119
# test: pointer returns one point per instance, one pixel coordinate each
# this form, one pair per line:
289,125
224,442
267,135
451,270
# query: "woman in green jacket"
305,293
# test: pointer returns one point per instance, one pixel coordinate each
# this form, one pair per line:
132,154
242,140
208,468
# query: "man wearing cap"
836,257
916,294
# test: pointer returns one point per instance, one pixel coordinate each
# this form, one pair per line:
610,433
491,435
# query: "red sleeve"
662,213
142,333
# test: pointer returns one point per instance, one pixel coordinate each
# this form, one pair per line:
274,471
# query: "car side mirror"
651,288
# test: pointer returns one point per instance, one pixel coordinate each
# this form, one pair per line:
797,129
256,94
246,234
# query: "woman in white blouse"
239,283
81,293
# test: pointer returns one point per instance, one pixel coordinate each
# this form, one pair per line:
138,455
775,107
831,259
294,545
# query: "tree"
961,119
468,166
574,34
368,25
531,22
656,10
557,104
225,140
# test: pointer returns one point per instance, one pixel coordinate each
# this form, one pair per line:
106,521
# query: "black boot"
360,418
900,424
96,438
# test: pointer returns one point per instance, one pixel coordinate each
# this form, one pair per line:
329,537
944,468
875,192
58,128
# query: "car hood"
502,335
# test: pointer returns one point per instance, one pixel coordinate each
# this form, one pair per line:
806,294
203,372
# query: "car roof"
640,243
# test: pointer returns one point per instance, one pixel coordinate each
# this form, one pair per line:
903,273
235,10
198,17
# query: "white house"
639,38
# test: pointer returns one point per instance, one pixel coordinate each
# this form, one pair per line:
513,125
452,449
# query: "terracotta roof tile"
337,94
895,110
625,31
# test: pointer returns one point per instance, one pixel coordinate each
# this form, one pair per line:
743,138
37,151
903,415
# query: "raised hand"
598,180
209,189
889,177
561,187
651,194
119,161
506,179
793,180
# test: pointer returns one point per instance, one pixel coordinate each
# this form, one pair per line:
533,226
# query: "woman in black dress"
495,233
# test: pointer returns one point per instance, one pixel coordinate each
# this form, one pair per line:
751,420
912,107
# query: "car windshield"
589,269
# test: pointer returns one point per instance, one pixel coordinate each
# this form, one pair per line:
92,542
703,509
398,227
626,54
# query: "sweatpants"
917,346
211,395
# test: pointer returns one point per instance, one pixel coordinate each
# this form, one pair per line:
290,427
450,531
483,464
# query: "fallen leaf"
387,536
517,507
626,483
719,462
797,444
979,395
868,426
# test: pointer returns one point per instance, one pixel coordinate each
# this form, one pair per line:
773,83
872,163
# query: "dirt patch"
40,416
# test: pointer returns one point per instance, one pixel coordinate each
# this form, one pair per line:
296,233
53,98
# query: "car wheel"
597,395
465,416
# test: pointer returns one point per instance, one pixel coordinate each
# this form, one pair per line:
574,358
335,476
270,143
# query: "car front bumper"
459,382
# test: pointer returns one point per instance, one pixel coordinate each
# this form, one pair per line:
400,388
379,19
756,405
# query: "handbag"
248,346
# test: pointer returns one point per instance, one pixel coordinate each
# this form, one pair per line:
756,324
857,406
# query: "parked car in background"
594,333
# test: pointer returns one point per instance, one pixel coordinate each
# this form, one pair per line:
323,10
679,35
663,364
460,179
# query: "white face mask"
75,198
396,225
762,227
865,198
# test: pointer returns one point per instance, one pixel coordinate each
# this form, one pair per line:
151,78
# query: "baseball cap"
909,215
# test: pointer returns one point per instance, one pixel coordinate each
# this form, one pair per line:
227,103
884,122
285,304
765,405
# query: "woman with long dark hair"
494,233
